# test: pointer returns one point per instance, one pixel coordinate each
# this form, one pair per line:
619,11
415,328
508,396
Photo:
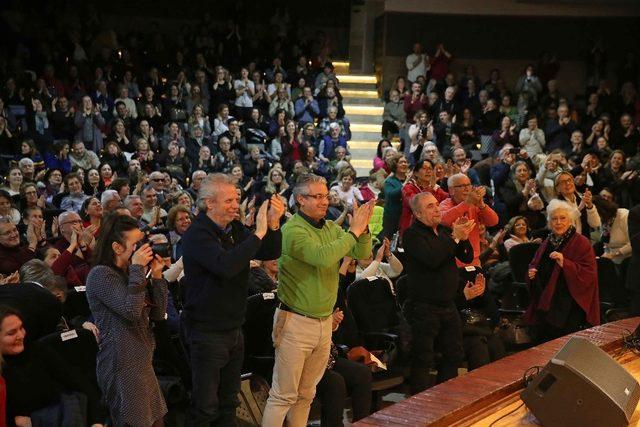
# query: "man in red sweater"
466,200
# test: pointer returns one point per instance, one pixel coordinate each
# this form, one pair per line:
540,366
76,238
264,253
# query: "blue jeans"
216,363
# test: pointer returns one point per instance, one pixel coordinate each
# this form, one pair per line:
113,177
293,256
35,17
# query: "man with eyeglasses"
156,181
468,201
71,228
312,249
12,253
430,152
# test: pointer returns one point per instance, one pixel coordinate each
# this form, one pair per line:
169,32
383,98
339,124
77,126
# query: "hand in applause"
462,227
359,221
474,290
276,210
262,221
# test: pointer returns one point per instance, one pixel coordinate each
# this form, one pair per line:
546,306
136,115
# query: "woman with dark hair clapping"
124,305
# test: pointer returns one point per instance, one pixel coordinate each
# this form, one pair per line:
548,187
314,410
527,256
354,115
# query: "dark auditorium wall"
509,42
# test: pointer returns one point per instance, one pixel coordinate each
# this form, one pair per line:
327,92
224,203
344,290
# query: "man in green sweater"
312,249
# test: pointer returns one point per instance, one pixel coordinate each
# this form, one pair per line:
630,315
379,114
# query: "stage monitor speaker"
582,386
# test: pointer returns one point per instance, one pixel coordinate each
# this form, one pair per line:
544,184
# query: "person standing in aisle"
308,285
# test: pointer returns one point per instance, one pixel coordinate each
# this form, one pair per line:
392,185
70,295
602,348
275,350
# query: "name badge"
80,288
268,295
372,278
470,268
69,335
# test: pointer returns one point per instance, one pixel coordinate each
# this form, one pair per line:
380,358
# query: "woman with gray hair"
563,278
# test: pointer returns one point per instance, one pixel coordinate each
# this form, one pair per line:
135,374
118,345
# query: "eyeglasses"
462,186
157,179
73,222
317,196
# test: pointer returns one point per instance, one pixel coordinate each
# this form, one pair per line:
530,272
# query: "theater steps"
363,108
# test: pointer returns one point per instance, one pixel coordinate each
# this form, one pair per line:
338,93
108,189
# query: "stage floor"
522,416
482,396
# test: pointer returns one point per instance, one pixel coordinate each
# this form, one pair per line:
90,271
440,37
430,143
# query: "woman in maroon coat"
563,278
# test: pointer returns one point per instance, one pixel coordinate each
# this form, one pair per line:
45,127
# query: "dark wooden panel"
476,390
507,37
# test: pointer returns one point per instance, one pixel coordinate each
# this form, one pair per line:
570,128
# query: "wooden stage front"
481,396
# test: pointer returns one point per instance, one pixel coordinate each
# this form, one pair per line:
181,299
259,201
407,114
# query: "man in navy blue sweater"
217,249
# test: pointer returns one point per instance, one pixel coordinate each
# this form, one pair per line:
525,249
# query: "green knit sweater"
308,267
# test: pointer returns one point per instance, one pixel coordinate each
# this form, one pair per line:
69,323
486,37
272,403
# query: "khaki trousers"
302,347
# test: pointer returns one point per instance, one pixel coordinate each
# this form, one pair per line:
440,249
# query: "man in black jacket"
430,259
217,249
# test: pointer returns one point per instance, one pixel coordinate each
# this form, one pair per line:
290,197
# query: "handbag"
362,355
475,322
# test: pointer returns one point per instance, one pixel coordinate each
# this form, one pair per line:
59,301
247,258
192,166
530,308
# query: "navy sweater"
216,268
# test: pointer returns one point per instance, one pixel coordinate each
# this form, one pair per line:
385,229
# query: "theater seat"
257,328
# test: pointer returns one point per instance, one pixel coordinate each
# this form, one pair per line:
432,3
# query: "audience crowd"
98,126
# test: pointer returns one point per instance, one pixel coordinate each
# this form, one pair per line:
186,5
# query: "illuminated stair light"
363,145
351,93
363,127
355,78
364,110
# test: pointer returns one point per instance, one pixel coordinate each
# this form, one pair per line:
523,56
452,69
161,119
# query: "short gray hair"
65,215
107,196
557,204
25,161
197,172
453,178
130,198
210,186
38,271
302,185
414,202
